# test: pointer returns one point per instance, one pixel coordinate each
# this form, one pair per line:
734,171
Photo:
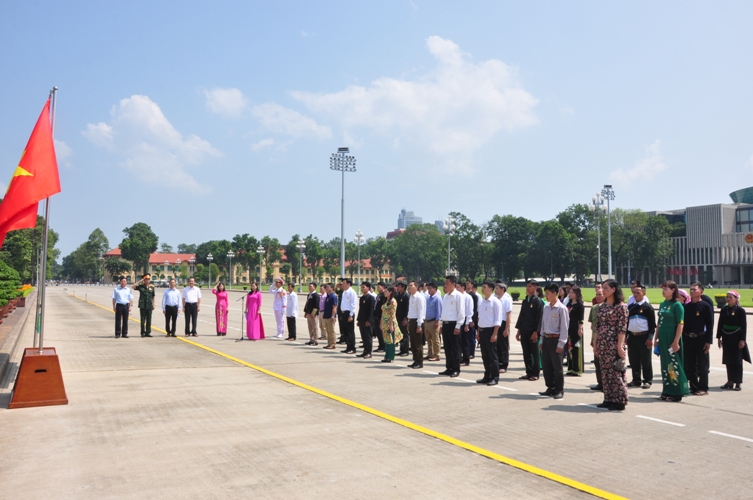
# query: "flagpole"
43,272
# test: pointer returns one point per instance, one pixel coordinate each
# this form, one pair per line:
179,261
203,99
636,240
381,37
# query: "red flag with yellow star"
35,178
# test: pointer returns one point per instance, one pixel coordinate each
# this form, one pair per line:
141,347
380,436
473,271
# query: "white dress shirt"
468,308
191,294
349,301
292,310
506,302
417,308
171,297
489,312
453,307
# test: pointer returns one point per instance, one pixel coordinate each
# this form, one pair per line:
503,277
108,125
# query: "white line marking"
731,436
592,406
505,388
433,373
661,421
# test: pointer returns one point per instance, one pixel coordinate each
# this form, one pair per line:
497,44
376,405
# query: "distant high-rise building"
440,226
406,219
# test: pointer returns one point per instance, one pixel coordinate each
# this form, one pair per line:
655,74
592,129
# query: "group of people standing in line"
405,317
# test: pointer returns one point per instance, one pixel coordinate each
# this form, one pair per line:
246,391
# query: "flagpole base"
39,381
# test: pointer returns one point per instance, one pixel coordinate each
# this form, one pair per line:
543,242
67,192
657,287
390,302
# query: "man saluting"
146,303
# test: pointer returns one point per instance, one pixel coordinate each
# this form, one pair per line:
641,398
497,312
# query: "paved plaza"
164,418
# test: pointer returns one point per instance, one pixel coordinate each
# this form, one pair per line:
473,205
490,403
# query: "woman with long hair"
390,329
220,308
668,338
611,330
576,310
254,323
731,335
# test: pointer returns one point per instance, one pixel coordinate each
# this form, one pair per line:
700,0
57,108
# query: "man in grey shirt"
554,322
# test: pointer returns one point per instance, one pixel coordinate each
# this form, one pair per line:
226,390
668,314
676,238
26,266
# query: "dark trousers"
732,357
121,320
146,320
377,331
696,368
530,354
348,331
640,359
503,348
405,343
417,345
366,338
597,368
552,365
451,346
291,322
191,314
489,352
469,344
171,315
340,318
575,354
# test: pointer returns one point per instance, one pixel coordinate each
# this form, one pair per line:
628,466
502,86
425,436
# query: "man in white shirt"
416,315
453,315
348,307
503,342
122,301
279,305
171,307
465,344
291,314
191,306
487,334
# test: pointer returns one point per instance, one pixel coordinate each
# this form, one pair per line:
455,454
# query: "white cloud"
750,163
567,110
282,120
304,34
264,143
644,169
226,102
453,110
63,153
150,147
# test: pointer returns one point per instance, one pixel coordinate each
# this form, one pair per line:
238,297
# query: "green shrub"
10,282
515,295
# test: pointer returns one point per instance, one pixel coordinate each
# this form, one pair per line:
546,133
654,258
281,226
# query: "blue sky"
206,120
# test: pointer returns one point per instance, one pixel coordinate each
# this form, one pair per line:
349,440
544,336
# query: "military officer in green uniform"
146,303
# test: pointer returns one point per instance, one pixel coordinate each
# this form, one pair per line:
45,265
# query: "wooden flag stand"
39,381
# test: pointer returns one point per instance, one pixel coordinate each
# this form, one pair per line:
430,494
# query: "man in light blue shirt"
171,307
122,301
431,323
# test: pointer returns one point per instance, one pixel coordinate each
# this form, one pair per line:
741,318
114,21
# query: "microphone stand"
243,317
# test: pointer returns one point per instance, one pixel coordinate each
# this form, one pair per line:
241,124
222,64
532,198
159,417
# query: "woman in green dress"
390,329
668,337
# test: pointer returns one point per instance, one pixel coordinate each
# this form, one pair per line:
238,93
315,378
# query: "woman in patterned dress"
390,329
612,322
669,336
220,309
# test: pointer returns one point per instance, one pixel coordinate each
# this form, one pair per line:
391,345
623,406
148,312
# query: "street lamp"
597,207
608,194
260,251
449,228
210,258
192,260
230,256
301,246
177,267
343,162
359,240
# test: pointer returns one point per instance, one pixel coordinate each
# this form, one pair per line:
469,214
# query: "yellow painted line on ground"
410,425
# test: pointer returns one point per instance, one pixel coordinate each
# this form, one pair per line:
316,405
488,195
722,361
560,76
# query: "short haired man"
171,307
503,339
365,320
403,302
146,303
291,312
311,311
431,323
489,324
322,299
554,324
453,315
191,306
641,329
465,327
348,307
122,301
377,325
527,328
416,315
470,291
279,305
697,338
329,315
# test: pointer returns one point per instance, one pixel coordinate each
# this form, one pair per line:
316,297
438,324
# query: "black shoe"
379,350
559,395
403,354
492,382
616,407
360,355
597,387
482,381
148,335
411,365
195,334
472,356
634,384
547,392
124,336
366,356
738,387
524,377
467,363
117,336
446,372
416,367
385,360
605,404
454,374
646,385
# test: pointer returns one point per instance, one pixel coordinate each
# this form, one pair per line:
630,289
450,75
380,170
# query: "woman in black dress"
575,333
730,333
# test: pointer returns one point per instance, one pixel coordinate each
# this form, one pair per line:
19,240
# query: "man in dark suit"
310,311
403,302
365,319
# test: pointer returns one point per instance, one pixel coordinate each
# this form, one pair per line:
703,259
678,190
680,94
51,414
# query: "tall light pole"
608,194
230,256
301,246
260,251
449,228
359,240
210,258
177,266
597,207
343,162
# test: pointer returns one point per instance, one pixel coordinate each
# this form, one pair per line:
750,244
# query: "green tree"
553,250
245,248
580,222
512,240
467,243
186,248
139,243
285,270
418,253
313,253
165,248
21,250
378,251
117,267
292,254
